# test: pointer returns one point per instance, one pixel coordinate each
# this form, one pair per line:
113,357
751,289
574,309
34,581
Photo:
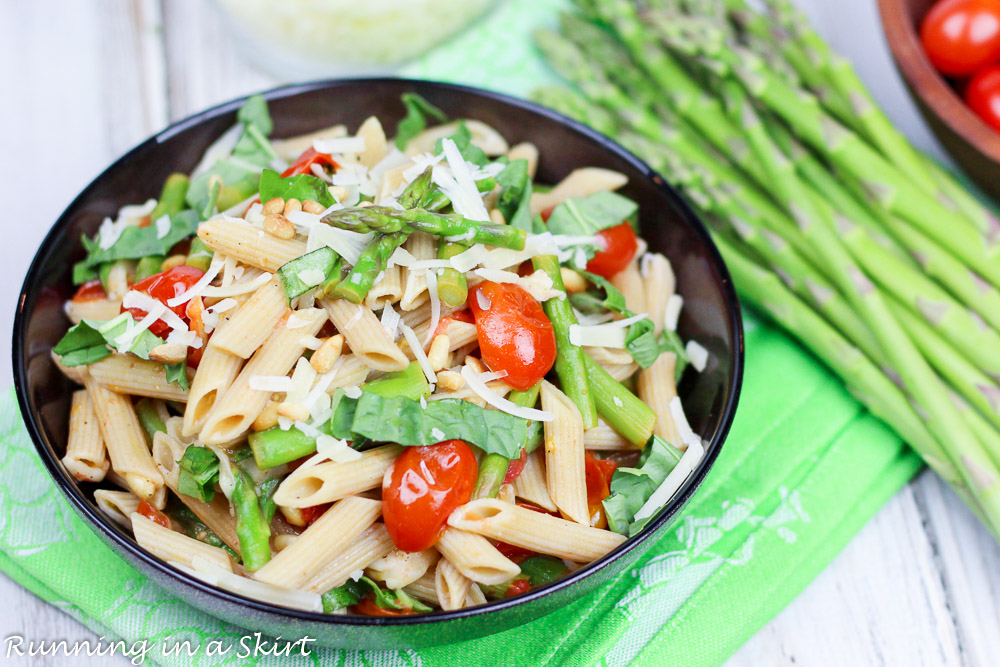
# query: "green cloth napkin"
803,469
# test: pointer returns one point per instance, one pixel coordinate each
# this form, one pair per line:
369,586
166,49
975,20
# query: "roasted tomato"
165,286
423,487
153,514
516,467
90,291
367,607
619,245
303,163
598,475
514,334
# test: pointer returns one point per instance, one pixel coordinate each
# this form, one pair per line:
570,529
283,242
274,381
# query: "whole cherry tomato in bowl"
982,94
619,245
961,36
163,287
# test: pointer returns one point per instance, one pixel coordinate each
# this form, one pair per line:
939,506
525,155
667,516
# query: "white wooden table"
84,80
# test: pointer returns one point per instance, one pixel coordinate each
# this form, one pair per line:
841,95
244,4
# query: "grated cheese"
220,149
418,353
133,330
227,480
672,312
311,277
390,321
162,226
310,342
609,334
400,257
478,385
186,338
469,259
302,380
470,201
237,288
697,355
680,420
345,243
352,391
214,269
665,492
295,321
482,300
437,434
340,145
538,284
271,383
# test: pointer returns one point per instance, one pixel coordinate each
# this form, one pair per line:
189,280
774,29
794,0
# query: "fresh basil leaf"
641,343
301,187
585,216
254,114
322,259
542,570
463,142
415,122
632,487
199,471
344,596
613,298
177,373
238,174
89,341
397,600
514,200
265,493
135,243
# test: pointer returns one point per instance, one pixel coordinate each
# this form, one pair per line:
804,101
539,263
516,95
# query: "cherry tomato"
423,487
983,95
304,162
458,316
516,467
598,476
517,587
311,514
367,607
514,333
153,514
90,291
619,245
960,36
547,213
164,286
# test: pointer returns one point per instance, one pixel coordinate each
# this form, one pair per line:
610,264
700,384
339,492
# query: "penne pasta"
579,183
422,247
85,456
530,484
213,378
564,455
388,288
170,545
249,244
126,374
327,482
251,324
604,438
629,282
658,276
94,309
119,505
656,388
451,586
365,335
535,531
475,557
401,568
372,544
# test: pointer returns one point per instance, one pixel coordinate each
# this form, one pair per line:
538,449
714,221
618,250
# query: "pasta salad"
352,374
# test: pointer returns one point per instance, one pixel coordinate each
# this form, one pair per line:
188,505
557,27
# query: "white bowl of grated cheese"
316,38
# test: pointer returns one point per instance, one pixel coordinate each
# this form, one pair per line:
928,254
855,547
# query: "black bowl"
711,316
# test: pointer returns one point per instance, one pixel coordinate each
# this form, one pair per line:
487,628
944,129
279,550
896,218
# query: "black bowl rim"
103,524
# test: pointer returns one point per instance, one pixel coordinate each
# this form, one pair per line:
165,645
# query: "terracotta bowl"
973,144
711,316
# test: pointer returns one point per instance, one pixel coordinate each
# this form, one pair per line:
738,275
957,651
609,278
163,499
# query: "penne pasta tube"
475,557
320,543
630,283
530,484
564,455
371,545
375,144
424,588
528,152
85,456
422,247
74,373
239,406
124,439
579,183
656,388
660,285
604,438
251,324
386,289
119,505
248,244
169,545
351,372
326,482
475,596
401,568
292,147
618,363
451,586
365,335
214,376
94,309
127,374
535,531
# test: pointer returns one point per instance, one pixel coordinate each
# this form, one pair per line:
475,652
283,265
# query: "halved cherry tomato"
517,587
547,213
423,488
514,334
960,36
598,475
367,607
463,315
153,514
164,286
983,95
619,245
516,467
90,291
311,514
304,162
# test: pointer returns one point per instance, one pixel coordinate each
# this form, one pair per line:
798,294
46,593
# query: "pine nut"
312,206
475,364
274,205
292,204
572,281
293,411
277,225
293,515
169,353
282,542
339,192
450,381
322,360
173,262
268,418
438,354
497,217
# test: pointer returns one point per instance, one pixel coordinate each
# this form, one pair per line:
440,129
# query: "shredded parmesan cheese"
665,492
418,353
478,385
697,355
271,383
214,269
609,334
672,312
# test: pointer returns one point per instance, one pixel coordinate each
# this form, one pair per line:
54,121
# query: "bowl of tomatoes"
948,52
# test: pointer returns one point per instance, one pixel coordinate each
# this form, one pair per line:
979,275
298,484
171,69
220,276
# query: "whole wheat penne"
530,484
127,374
476,557
604,438
85,456
250,245
630,283
371,545
424,588
235,411
660,284
535,531
124,439
326,482
170,545
320,543
365,334
451,585
388,288
119,505
213,378
421,246
251,324
564,454
656,388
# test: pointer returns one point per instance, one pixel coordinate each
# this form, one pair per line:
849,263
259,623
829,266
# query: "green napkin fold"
804,467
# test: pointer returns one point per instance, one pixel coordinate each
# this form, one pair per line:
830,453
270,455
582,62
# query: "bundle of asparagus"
829,220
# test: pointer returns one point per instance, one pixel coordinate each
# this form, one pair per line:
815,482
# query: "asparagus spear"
389,220
370,264
493,469
172,195
452,287
252,530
